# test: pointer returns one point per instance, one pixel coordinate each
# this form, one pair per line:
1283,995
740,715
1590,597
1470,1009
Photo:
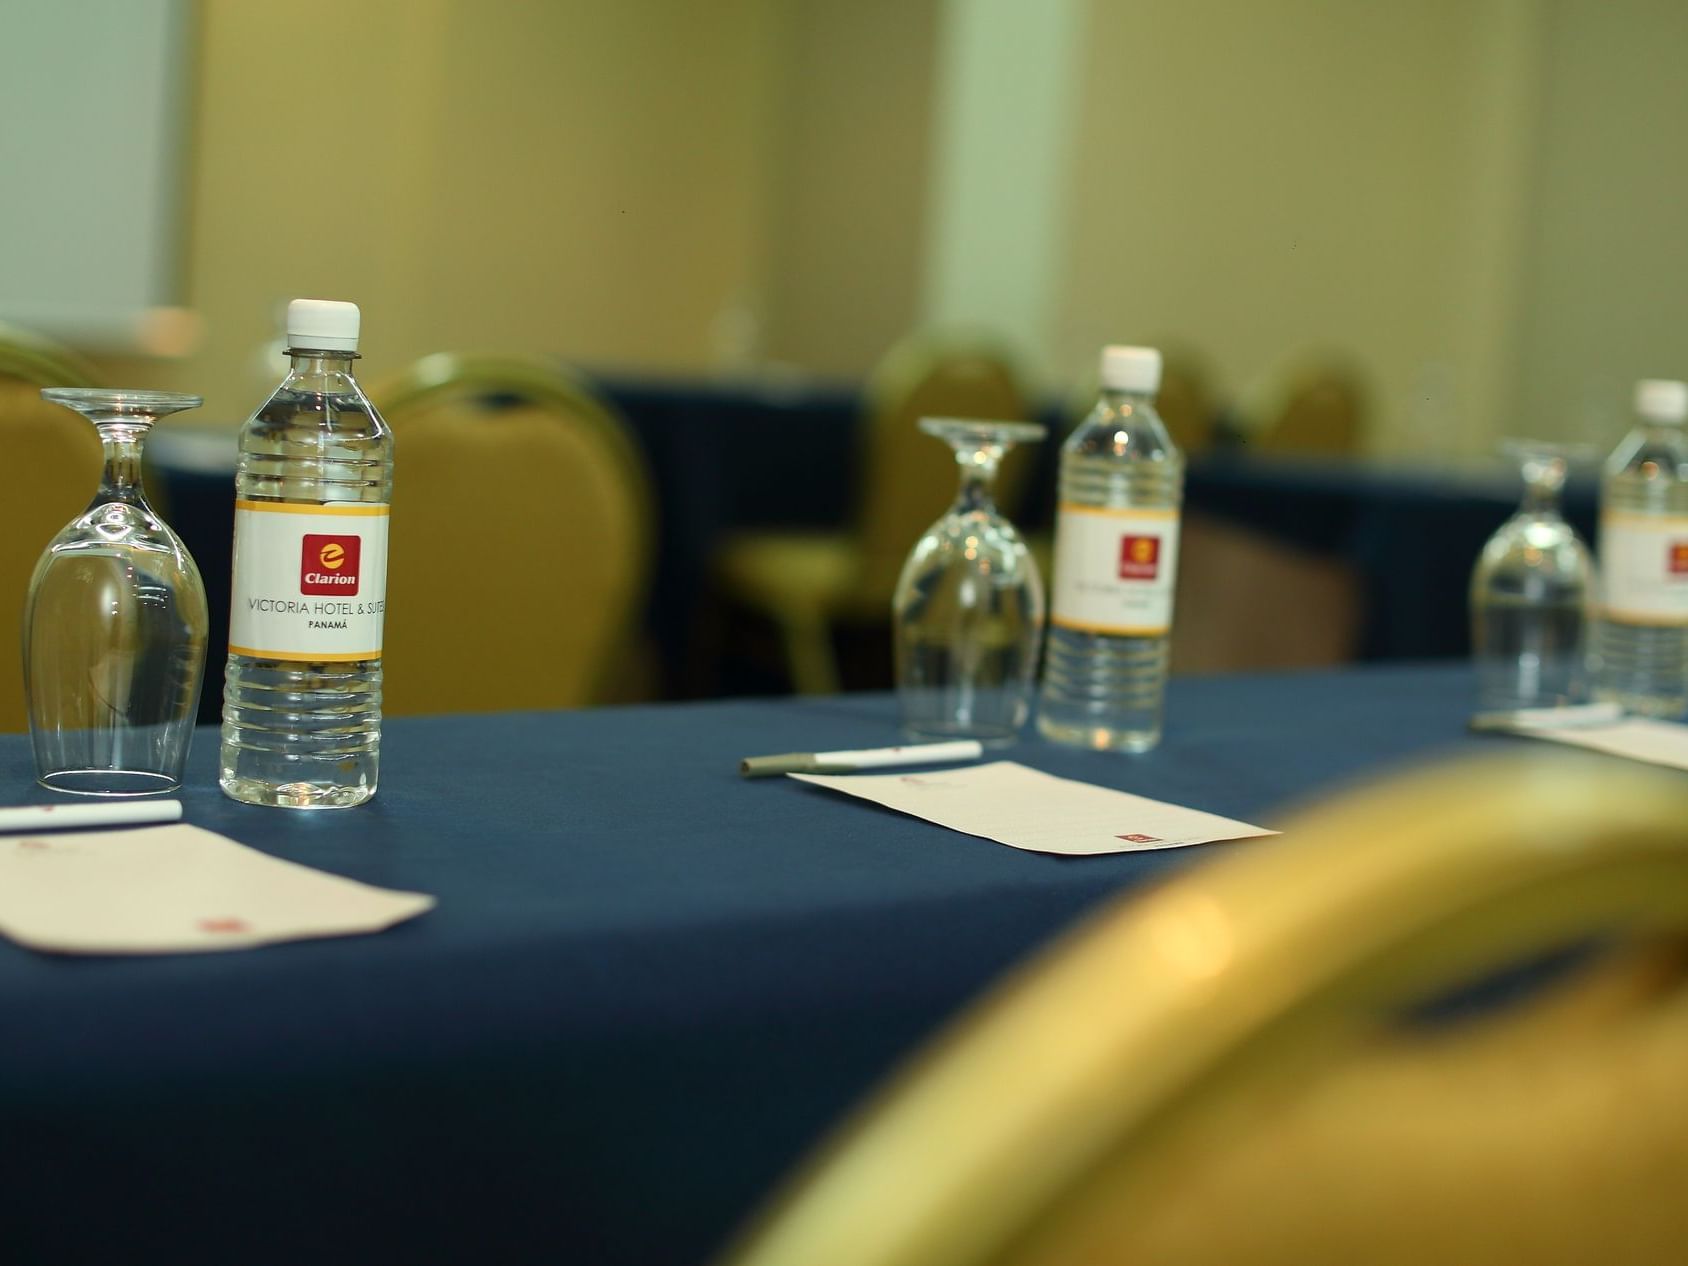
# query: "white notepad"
1638,738
176,889
1024,808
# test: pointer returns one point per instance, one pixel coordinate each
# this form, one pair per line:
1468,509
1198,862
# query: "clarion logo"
1139,557
329,564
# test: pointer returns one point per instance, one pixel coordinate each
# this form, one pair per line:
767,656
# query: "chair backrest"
1185,403
53,457
908,478
1320,411
522,530
1088,1112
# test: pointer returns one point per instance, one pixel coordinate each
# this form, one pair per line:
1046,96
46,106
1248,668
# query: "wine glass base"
987,737
109,782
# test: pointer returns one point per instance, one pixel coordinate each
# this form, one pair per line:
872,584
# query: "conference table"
649,985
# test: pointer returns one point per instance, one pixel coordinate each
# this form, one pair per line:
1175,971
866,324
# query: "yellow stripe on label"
1112,630
300,657
1670,522
1651,621
1112,512
293,507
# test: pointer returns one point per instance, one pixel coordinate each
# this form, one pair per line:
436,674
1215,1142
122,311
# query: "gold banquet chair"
1319,411
1228,573
522,530
1216,1073
1185,403
53,461
805,582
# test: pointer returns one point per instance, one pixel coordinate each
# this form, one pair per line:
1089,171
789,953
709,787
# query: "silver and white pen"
60,817
848,762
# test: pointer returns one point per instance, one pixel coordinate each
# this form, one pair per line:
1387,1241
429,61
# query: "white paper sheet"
176,889
1638,738
1024,808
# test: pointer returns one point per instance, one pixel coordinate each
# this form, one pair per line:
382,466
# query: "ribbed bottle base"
1103,692
293,795
1644,668
1101,738
300,737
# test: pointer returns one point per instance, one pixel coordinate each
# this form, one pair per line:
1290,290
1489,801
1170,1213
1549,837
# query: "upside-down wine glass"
1531,593
968,611
115,624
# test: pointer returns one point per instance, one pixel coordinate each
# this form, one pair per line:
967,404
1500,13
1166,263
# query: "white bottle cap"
1661,400
1134,369
323,325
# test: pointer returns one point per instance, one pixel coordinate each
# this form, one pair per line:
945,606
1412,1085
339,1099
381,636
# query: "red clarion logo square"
329,564
1139,557
1678,557
1139,839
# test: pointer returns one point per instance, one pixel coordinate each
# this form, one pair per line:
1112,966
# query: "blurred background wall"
1604,286
1262,181
1475,200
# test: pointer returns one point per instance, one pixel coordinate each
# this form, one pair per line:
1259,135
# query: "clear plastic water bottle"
1531,594
1643,630
1116,562
302,691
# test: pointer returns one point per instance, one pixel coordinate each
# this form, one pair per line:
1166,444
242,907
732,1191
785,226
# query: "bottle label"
310,581
1115,570
1644,567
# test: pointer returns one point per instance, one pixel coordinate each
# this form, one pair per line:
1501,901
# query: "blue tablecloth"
648,987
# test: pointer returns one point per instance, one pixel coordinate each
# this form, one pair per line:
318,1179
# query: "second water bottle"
1116,564
302,690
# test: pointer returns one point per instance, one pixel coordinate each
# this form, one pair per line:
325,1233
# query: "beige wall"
1605,299
848,202
1266,181
575,177
1479,199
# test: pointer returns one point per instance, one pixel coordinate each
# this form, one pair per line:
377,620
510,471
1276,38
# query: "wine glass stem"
1541,499
121,478
978,466
978,477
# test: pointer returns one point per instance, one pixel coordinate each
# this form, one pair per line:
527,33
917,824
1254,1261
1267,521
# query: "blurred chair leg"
700,672
809,654
633,674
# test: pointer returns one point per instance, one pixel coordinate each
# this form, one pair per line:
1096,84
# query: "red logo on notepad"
1678,557
329,564
1140,839
1139,557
